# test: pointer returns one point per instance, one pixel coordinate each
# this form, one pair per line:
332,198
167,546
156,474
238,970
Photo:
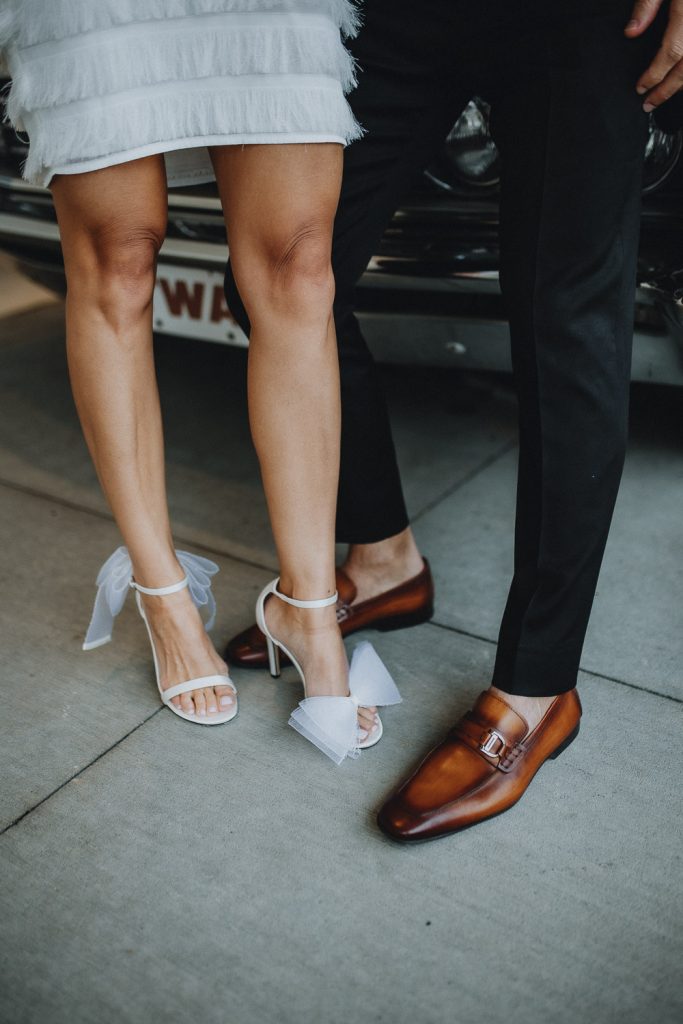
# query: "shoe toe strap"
197,684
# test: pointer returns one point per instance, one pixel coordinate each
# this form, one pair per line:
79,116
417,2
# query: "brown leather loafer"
481,769
408,604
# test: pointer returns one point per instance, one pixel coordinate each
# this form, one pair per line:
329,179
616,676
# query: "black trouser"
571,134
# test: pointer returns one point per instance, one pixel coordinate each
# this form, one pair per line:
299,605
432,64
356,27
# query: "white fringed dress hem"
99,84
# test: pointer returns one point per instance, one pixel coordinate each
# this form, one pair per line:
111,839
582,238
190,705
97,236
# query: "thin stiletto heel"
329,722
114,581
273,658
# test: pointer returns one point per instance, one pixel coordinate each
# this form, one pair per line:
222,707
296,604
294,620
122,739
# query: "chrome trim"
213,256
208,254
19,185
28,227
194,202
175,199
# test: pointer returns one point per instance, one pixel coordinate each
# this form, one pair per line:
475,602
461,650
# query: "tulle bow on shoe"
331,723
113,584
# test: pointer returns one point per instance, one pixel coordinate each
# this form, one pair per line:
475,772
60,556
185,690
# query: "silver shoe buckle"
492,743
343,612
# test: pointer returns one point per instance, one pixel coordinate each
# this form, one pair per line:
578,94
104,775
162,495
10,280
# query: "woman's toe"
187,703
368,727
225,698
210,702
199,702
366,718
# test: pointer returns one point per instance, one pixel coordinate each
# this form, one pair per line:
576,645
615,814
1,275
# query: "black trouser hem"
347,535
538,673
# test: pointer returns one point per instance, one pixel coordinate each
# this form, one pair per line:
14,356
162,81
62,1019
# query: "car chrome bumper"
418,335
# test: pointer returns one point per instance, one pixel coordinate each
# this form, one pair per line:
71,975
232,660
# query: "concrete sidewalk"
153,872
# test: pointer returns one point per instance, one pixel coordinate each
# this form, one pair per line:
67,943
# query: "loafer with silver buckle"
481,769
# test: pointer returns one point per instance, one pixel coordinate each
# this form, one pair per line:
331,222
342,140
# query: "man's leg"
571,134
407,102
570,221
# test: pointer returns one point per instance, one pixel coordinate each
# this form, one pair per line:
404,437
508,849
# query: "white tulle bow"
331,723
113,584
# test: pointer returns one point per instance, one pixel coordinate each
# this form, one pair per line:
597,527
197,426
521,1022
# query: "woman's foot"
313,637
185,651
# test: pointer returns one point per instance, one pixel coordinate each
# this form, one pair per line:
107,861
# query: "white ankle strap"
324,602
173,588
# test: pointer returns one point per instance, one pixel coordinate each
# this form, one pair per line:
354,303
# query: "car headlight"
469,157
662,153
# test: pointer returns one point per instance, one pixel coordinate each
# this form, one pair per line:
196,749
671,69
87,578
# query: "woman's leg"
280,203
112,224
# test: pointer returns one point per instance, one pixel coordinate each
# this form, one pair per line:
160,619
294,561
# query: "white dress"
100,82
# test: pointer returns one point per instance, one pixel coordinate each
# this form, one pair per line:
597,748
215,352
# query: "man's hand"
664,77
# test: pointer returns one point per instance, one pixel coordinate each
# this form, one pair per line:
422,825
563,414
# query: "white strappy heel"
331,723
115,579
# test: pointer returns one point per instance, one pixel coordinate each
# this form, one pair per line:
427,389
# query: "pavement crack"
464,632
584,671
80,772
76,506
632,686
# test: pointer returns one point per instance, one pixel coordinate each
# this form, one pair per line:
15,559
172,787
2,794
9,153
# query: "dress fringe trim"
8,22
30,22
116,65
146,119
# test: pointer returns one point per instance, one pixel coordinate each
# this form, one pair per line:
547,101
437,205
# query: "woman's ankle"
157,568
312,586
304,621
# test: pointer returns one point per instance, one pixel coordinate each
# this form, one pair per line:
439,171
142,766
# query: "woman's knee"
291,275
112,223
115,267
126,258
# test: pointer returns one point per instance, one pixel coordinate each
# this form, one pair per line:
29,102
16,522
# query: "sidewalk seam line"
466,479
432,622
80,772
107,517
584,671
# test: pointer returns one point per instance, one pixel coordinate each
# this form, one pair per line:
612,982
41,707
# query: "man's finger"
668,56
672,84
643,14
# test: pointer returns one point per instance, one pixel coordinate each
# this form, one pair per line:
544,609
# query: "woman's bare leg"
280,203
112,224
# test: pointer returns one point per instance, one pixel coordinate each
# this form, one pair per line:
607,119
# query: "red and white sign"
191,303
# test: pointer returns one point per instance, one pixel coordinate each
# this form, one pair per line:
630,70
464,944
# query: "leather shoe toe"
482,768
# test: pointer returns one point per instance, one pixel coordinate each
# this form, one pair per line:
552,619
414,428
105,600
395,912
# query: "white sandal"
114,581
331,723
